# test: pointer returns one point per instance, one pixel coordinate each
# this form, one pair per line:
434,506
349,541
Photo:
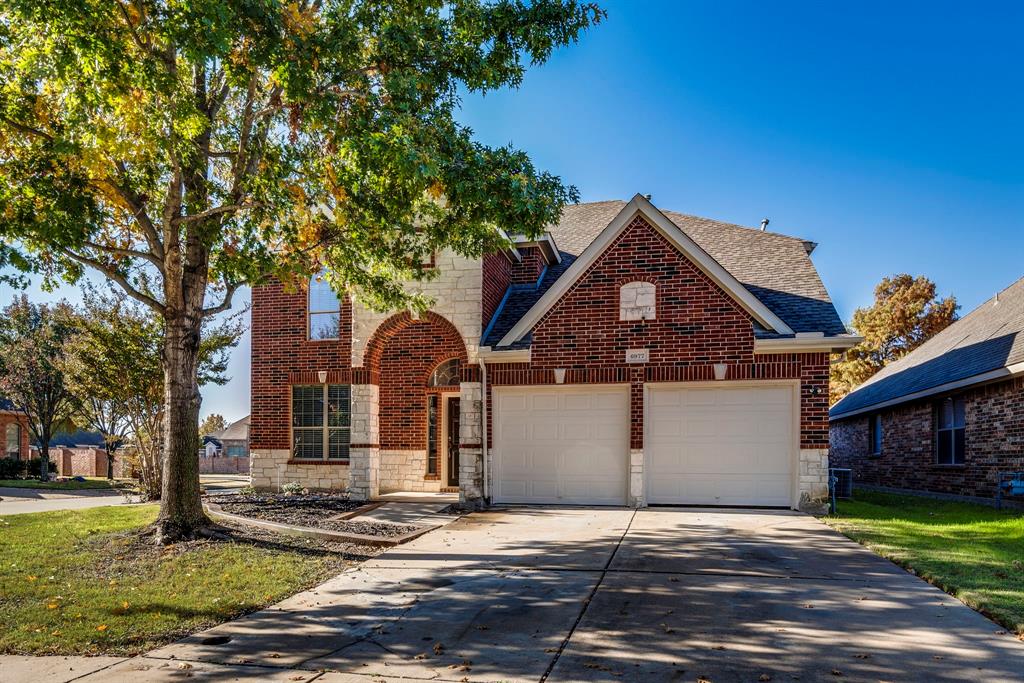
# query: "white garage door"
567,445
720,446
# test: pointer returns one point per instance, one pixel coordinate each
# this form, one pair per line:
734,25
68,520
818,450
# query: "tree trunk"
181,511
44,460
110,460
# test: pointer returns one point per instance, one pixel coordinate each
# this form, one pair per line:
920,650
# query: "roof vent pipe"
647,197
764,224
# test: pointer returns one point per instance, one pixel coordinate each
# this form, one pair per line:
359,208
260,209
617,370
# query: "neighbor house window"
949,432
13,449
324,310
875,435
235,451
321,420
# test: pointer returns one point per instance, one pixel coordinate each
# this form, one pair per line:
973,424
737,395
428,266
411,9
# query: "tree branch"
116,277
217,210
131,253
28,130
224,305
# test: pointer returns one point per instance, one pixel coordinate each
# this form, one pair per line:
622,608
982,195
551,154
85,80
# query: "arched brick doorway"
418,423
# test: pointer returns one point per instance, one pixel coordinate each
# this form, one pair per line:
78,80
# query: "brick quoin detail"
497,275
993,432
527,271
407,355
282,355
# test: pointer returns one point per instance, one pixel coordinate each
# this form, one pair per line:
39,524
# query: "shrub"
11,468
32,467
293,488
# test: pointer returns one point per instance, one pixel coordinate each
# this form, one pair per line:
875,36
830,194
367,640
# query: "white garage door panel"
565,445
720,445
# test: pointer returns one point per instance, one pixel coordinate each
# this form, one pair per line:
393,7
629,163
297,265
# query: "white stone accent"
813,479
470,432
365,414
405,471
456,291
471,477
364,473
269,470
636,478
637,301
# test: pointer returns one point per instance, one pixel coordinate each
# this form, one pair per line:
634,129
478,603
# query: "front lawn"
973,552
80,582
67,485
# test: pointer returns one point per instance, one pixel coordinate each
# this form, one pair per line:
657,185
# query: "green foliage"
12,468
906,314
971,551
213,423
112,593
138,135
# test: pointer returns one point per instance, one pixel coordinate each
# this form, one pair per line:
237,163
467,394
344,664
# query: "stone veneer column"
471,475
364,455
636,478
813,480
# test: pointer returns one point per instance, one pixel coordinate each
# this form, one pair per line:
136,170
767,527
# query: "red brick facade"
407,357
993,431
527,271
8,418
497,275
282,355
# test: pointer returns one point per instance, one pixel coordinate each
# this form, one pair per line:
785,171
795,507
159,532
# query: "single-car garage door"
720,445
567,445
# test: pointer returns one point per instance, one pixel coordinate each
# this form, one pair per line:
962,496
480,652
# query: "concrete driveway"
16,501
613,595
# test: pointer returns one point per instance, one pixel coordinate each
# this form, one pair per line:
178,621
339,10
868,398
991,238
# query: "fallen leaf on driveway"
837,672
438,648
863,656
764,677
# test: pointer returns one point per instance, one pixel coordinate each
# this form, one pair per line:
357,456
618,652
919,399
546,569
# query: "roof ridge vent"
764,224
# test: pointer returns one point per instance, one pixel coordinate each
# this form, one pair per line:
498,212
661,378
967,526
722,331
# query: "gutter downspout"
483,428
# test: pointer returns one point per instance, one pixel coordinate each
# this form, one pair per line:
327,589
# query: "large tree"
33,343
184,148
214,422
906,313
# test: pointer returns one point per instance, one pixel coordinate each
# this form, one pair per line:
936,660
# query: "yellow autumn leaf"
124,605
101,627
51,605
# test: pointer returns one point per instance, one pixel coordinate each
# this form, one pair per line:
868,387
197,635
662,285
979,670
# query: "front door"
453,441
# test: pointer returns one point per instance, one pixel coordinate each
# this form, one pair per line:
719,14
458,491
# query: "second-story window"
324,310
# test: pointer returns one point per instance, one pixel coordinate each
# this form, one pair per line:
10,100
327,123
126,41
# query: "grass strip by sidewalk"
79,582
70,485
973,552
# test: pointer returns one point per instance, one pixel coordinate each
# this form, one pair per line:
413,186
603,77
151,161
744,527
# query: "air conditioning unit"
840,481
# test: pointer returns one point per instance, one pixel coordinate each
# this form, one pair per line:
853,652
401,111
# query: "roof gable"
640,206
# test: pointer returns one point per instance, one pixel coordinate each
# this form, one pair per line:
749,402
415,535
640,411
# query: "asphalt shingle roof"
774,268
988,338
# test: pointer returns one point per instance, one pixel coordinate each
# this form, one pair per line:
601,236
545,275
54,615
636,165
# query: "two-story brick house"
627,357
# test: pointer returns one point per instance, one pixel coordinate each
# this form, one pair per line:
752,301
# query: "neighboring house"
14,431
627,356
234,439
947,417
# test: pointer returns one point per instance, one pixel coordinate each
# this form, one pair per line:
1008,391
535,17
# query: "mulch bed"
314,511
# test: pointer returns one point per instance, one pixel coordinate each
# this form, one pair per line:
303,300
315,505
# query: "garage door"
567,445
720,446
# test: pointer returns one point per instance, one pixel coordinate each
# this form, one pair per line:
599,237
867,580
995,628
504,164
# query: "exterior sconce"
559,375
720,370
322,376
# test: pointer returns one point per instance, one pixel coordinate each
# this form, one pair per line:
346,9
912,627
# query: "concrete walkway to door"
609,595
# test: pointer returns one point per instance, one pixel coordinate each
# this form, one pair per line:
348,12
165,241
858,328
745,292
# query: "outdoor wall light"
720,370
559,375
322,376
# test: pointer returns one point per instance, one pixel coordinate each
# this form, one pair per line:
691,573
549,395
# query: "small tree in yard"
906,314
115,359
213,423
33,341
185,148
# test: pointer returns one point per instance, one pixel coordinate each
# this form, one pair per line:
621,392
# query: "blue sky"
889,133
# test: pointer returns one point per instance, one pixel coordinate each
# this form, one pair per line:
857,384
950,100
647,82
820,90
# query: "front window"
321,421
445,375
875,435
13,449
950,439
324,310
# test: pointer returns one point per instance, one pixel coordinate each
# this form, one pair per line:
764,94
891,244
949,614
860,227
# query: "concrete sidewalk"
16,501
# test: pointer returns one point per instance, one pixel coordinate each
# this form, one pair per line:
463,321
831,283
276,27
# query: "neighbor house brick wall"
994,436
283,355
527,271
497,275
9,418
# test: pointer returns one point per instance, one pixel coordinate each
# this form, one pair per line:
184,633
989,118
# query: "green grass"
78,582
973,552
89,483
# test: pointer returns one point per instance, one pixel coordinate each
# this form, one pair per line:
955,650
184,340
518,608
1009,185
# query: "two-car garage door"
704,445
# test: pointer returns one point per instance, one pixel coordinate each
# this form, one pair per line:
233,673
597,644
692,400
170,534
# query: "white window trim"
310,312
325,428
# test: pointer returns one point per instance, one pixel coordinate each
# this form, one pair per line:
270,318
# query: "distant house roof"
79,437
985,345
775,268
236,431
7,405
